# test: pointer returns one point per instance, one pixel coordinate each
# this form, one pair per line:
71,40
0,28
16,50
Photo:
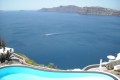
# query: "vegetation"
51,65
117,70
2,43
4,57
29,61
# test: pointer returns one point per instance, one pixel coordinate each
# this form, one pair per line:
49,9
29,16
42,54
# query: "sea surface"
67,40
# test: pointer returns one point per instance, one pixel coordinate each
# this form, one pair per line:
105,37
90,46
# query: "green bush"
2,43
51,65
117,70
29,61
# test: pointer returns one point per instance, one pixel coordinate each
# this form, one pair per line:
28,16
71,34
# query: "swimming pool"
28,73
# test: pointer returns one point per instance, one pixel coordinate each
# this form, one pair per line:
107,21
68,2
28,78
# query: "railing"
90,66
116,62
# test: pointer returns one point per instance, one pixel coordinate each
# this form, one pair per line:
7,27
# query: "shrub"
51,65
2,43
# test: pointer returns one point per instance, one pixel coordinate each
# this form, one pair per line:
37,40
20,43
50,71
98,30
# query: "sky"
38,4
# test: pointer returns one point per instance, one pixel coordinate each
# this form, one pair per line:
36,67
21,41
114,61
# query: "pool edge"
64,71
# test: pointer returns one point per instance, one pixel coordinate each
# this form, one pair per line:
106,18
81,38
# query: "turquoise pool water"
27,73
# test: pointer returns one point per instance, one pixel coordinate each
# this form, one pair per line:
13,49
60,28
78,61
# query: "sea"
68,40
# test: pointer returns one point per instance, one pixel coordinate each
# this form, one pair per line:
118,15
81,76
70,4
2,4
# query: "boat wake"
50,34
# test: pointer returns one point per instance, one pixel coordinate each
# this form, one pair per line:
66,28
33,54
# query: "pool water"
27,73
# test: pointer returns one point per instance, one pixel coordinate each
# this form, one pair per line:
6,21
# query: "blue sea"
67,40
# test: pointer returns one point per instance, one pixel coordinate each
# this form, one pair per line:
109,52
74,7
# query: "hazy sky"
37,4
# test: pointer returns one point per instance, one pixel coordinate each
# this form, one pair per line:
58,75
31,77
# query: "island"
82,10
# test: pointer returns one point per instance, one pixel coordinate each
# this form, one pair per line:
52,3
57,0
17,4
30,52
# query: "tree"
2,43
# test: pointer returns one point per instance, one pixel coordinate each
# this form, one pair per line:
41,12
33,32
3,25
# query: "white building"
4,50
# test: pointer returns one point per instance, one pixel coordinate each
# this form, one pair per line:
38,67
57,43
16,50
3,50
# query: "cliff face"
66,9
82,10
99,11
